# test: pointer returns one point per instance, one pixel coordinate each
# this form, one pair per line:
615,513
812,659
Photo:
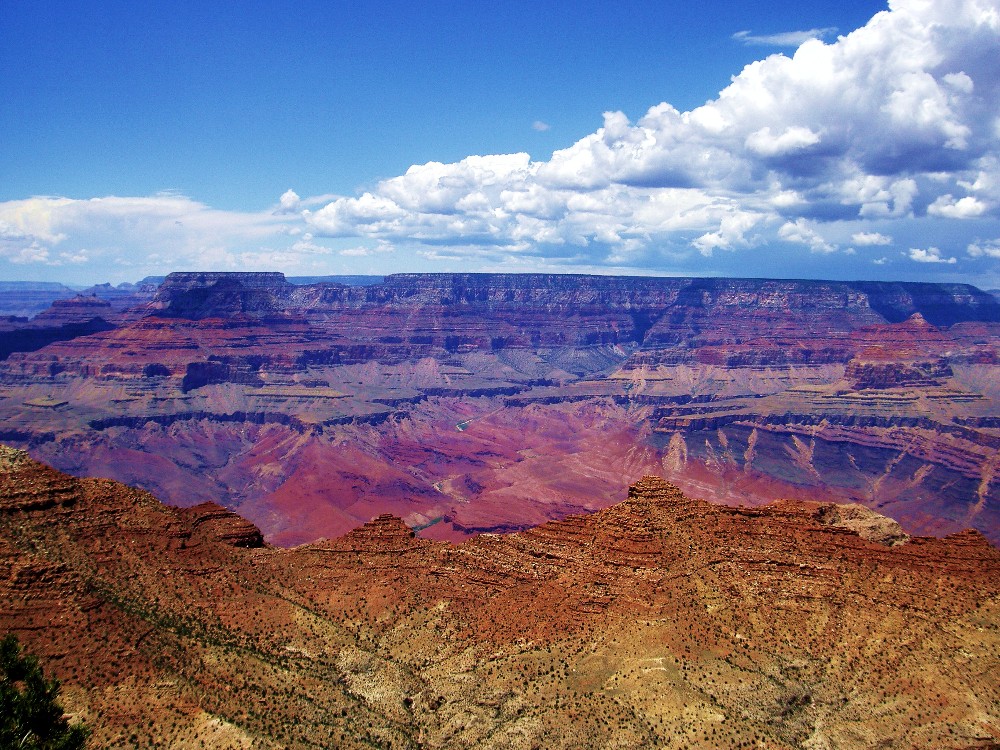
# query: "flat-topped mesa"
198,295
518,309
862,302
181,280
65,319
79,309
896,301
535,289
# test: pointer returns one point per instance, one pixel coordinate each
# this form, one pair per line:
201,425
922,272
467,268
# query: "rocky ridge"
660,621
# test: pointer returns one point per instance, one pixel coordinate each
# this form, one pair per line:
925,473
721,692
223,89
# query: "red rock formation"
215,523
449,398
681,619
862,374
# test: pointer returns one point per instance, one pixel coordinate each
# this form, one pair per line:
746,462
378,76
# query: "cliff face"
863,375
494,402
64,320
196,295
738,321
661,618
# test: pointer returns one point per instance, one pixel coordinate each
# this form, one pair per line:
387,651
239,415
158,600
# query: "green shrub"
30,715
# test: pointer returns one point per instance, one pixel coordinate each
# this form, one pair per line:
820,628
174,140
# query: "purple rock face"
472,402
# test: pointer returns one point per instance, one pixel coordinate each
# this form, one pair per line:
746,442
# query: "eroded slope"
661,621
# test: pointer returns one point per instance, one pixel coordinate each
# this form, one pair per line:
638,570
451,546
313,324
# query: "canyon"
483,403
659,621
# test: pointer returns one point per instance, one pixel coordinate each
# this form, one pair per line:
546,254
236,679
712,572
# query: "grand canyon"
511,511
470,403
511,376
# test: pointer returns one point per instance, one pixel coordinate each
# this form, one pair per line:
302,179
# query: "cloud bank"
135,233
877,138
895,123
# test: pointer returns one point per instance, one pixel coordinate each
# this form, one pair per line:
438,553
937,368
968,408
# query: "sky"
839,140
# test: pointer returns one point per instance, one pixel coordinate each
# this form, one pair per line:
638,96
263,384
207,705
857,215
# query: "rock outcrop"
214,522
197,295
63,321
862,374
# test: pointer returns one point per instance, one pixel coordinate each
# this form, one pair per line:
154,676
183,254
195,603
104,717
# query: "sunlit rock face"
795,624
467,403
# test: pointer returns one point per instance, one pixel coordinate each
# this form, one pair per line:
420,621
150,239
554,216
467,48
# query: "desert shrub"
30,714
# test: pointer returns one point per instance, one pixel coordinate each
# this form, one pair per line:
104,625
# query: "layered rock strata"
660,620
458,393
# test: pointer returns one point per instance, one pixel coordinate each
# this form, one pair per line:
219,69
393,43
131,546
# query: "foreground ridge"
662,621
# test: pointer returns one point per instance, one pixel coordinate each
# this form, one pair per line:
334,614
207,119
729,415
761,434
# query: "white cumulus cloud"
129,231
870,238
795,138
891,129
989,249
289,201
962,208
800,232
892,122
930,255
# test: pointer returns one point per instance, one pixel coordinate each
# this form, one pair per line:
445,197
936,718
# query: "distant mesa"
202,295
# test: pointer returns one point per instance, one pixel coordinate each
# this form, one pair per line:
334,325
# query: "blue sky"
140,138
